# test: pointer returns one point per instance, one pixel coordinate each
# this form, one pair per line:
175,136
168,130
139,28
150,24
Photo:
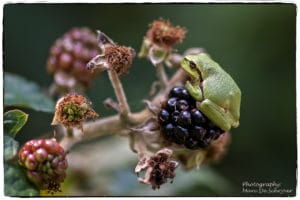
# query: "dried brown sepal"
162,33
119,58
72,110
218,148
53,187
158,168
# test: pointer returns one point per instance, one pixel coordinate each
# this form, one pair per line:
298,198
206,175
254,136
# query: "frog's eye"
193,65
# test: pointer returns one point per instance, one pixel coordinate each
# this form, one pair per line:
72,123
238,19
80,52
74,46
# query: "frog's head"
191,65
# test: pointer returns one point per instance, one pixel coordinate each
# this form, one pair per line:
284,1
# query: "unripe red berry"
71,53
45,163
30,162
41,155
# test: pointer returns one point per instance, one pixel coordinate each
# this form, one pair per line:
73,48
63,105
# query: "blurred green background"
255,43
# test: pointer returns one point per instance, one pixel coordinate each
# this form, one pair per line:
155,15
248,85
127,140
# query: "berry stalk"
161,75
114,125
120,94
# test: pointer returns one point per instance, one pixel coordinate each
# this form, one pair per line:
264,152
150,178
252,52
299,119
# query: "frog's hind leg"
216,114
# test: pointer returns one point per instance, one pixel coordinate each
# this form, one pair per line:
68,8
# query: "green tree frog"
216,93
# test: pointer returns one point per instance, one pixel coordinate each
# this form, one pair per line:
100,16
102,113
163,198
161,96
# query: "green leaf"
14,120
16,182
23,93
10,147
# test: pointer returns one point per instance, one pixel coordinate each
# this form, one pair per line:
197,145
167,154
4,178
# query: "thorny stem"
114,125
161,75
119,92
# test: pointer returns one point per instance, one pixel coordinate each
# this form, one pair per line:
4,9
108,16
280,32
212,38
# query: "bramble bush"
171,130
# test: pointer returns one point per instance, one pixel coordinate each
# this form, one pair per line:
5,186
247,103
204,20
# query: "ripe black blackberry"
182,123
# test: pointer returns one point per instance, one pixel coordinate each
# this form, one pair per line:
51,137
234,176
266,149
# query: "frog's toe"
235,124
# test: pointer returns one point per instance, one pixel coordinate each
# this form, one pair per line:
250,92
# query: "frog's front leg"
194,90
216,114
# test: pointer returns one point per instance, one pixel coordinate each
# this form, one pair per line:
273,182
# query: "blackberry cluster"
182,123
45,163
72,52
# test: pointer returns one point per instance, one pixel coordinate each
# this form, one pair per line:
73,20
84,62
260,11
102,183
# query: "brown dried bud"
72,110
119,58
158,168
162,33
113,57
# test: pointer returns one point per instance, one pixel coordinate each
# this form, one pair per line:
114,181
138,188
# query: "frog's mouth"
195,68
195,81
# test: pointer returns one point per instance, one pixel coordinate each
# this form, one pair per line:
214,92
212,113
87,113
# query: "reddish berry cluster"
45,163
182,123
72,52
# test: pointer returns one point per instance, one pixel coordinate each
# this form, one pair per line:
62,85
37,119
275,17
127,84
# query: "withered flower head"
158,168
162,33
72,110
119,58
113,57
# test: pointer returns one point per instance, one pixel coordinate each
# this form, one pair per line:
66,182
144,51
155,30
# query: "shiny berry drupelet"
182,123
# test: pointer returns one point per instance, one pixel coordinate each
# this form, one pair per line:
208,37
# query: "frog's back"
218,85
